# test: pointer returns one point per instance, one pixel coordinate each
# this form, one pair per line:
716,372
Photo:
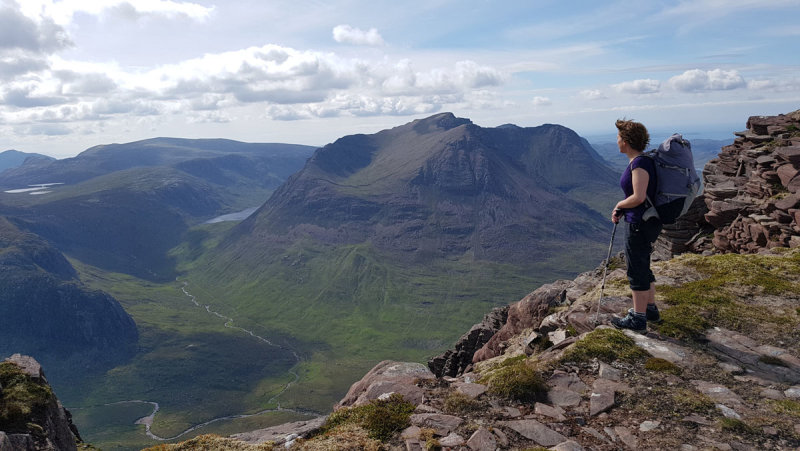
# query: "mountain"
443,187
123,206
15,158
46,312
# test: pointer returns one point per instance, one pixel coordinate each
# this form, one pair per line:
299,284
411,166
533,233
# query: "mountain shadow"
46,312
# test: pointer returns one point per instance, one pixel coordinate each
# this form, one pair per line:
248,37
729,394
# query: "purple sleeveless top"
634,215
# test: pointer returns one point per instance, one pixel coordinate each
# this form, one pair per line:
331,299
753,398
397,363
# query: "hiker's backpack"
677,183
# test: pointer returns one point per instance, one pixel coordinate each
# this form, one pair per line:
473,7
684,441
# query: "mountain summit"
445,187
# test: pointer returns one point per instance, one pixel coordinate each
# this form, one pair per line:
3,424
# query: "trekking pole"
605,268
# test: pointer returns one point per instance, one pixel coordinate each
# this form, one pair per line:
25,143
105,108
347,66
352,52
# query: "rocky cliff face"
752,190
31,417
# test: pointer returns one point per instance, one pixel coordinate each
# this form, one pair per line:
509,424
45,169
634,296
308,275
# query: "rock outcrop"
32,418
752,190
458,360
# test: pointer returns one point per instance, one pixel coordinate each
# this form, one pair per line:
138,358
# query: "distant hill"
14,158
123,206
47,313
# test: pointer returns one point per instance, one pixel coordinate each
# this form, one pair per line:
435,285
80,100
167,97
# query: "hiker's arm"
640,177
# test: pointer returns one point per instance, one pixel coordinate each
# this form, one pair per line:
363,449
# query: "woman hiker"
637,182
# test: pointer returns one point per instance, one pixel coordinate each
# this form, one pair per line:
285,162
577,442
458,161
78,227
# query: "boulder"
387,377
527,313
456,361
786,173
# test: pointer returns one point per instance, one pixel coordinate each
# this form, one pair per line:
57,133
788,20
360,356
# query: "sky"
80,73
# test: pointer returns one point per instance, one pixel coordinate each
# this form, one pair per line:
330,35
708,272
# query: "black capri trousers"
639,239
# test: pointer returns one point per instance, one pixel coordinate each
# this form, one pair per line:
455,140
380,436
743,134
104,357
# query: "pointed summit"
443,186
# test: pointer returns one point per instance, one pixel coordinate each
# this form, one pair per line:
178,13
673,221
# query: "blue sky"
74,74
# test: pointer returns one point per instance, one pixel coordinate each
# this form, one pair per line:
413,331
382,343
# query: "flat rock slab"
563,398
741,350
568,381
443,424
279,433
533,430
661,349
569,445
601,402
627,437
482,440
557,413
719,393
451,441
471,390
609,372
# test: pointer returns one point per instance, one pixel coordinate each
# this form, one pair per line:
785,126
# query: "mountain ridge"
439,176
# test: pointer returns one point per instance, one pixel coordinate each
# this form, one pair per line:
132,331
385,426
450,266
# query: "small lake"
238,216
39,188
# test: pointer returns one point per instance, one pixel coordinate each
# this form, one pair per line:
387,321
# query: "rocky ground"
565,384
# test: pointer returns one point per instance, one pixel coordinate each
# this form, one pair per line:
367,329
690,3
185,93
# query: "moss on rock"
604,344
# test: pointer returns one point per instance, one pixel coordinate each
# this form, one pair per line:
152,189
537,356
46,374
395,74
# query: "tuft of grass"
693,401
787,406
737,426
211,441
516,379
21,399
606,345
429,437
662,366
571,331
348,437
457,403
380,418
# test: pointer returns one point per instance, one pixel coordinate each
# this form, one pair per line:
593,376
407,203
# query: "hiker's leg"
640,300
637,257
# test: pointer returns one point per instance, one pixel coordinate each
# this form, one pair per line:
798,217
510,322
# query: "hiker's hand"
615,215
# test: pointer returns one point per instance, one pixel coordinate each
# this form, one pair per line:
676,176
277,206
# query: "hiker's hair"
633,133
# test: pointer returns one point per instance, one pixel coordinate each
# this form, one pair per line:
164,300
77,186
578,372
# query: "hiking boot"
651,313
632,321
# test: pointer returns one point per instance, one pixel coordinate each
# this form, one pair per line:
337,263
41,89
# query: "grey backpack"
677,183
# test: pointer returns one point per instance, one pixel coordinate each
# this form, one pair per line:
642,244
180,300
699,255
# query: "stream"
147,421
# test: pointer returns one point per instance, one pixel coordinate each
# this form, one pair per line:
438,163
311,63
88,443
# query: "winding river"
229,322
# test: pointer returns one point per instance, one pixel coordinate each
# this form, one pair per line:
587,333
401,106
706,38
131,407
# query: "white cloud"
62,12
349,35
784,85
542,101
713,80
592,94
40,35
642,86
